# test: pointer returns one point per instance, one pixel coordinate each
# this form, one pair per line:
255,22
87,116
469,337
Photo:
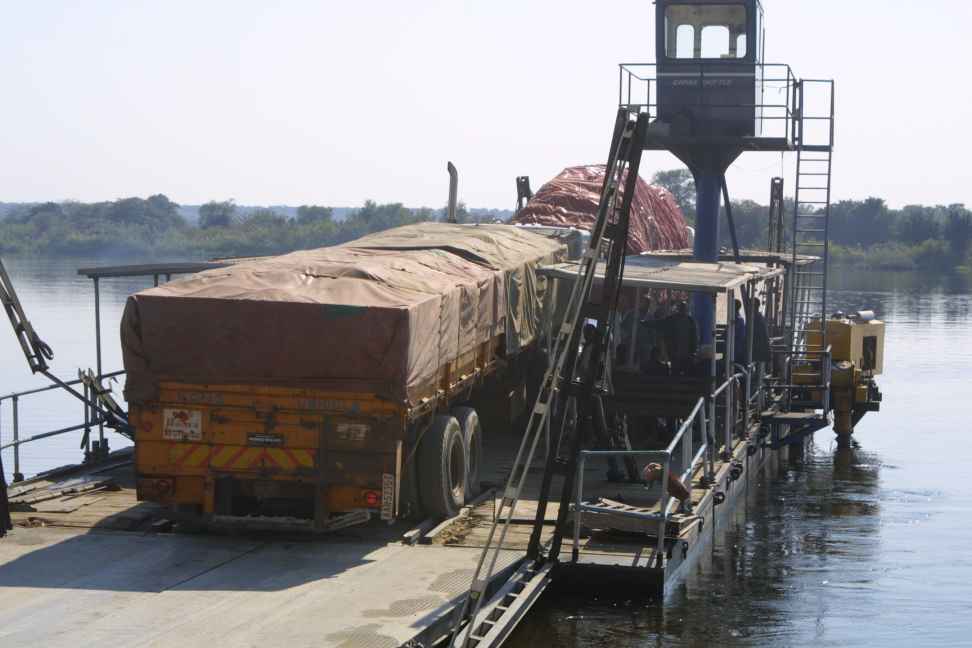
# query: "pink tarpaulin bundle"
571,199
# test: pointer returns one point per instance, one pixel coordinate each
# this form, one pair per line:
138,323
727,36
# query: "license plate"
182,425
265,440
387,497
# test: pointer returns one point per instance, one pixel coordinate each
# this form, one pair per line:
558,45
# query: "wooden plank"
67,505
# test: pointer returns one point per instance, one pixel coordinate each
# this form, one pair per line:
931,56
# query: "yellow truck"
345,381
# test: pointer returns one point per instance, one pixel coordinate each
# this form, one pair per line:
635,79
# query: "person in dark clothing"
741,339
681,339
651,335
654,365
761,341
587,349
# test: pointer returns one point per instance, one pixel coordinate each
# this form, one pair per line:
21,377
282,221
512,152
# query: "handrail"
91,419
779,102
690,460
664,457
732,379
685,425
54,386
728,420
46,435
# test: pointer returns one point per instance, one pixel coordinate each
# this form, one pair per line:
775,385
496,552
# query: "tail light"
155,488
372,498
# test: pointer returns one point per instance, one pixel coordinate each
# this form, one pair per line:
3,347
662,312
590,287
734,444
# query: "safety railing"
776,100
816,365
683,446
693,443
90,420
729,411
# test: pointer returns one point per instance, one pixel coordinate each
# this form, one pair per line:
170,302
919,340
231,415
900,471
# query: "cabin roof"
150,269
745,256
647,271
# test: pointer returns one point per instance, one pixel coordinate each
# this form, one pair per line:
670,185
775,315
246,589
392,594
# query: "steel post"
750,337
635,321
97,296
17,475
578,503
87,422
708,185
687,447
663,510
730,352
710,408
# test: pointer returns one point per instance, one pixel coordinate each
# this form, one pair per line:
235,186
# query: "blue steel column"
708,186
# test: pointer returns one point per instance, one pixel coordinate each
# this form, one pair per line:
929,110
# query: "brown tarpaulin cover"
571,200
380,314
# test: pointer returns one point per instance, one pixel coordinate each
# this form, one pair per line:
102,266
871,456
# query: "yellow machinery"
857,356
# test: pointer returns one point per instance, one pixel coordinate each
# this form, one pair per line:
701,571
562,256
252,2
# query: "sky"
333,103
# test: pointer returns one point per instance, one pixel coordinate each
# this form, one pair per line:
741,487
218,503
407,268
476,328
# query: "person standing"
761,341
681,339
741,337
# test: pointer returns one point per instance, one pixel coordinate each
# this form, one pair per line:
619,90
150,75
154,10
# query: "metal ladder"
776,241
811,229
608,238
35,350
810,237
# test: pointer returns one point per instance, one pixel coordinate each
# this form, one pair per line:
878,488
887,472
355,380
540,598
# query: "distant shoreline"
155,227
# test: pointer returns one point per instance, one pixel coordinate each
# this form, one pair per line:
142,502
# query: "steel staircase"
811,219
811,225
809,369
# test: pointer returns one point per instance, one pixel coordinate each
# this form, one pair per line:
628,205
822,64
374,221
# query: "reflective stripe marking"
197,457
178,453
222,455
192,455
280,458
249,457
233,458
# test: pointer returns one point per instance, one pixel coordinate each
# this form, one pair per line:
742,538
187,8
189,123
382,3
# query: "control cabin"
709,57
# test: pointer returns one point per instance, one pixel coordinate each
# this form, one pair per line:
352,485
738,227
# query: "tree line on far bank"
154,226
863,233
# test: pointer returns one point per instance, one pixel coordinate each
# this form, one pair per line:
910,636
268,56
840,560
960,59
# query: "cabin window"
685,42
715,41
710,31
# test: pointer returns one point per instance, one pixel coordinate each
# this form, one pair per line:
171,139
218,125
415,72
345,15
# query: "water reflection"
771,574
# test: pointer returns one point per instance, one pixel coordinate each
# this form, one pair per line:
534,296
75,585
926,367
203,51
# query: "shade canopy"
653,272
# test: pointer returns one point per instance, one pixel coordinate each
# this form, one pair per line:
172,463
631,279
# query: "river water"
860,548
863,548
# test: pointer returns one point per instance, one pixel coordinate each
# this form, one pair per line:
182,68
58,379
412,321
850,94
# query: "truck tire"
442,467
472,432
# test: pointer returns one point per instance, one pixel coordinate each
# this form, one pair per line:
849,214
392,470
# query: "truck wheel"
472,432
442,467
